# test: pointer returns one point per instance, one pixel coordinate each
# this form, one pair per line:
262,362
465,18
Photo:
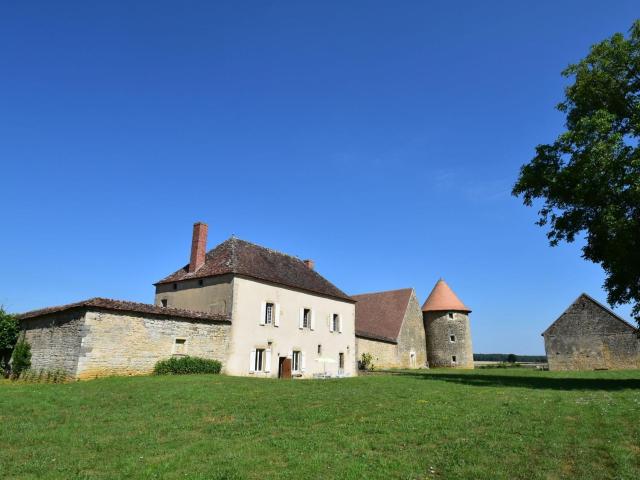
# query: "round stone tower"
446,323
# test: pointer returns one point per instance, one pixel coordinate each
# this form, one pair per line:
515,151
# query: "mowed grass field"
444,424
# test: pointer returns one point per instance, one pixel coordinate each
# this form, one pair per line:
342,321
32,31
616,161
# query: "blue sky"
380,139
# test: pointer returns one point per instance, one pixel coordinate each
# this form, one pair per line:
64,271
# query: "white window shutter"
252,361
267,360
313,319
263,312
276,319
340,323
330,323
301,320
302,362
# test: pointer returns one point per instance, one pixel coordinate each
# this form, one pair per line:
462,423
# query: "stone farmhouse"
397,333
589,336
262,313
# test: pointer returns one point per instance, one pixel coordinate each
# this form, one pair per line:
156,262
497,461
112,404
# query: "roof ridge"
383,291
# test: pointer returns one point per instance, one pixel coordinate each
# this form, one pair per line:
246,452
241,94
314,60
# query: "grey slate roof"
239,257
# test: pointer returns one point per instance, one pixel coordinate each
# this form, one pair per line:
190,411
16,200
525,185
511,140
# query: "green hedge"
186,365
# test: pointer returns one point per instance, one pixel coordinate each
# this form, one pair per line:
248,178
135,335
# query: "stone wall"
117,343
589,337
384,354
440,347
55,340
412,337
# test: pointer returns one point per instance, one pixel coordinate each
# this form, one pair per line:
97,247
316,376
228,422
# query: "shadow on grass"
540,382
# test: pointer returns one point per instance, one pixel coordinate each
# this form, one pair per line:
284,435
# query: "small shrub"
186,365
21,359
366,362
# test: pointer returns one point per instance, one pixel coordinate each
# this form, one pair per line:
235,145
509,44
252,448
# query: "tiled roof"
379,315
442,298
125,306
235,256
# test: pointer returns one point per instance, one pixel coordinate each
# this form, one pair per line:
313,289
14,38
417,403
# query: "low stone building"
389,327
448,330
589,336
101,337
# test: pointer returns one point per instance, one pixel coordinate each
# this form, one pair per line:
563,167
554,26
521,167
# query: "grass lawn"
445,424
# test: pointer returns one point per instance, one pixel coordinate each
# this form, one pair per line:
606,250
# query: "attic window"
163,302
451,315
175,286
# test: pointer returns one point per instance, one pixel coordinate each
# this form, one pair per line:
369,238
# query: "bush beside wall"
186,365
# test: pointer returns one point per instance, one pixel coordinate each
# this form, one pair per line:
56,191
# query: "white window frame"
269,313
296,361
307,321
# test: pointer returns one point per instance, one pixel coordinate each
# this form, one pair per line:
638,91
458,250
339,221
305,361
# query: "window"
412,359
180,346
164,302
306,318
452,338
295,361
259,363
341,361
319,349
453,358
451,315
268,314
335,323
175,286
201,282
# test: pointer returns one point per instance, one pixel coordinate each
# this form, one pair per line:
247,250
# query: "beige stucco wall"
248,334
213,296
130,344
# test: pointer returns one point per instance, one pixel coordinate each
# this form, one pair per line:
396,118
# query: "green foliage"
8,330
186,365
511,358
366,362
504,357
589,178
21,359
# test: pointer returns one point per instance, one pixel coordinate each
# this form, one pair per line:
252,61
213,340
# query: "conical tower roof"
442,298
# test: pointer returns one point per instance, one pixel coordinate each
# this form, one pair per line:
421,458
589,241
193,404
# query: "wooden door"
284,367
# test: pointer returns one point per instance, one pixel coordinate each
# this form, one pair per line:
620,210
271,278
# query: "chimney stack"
198,246
310,264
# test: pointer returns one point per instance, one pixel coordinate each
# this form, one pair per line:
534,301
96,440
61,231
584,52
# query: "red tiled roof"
442,298
235,256
126,306
379,315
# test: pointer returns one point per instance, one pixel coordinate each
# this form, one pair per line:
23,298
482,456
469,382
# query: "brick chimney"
310,264
198,246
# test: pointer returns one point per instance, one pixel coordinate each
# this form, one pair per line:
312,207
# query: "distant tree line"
508,357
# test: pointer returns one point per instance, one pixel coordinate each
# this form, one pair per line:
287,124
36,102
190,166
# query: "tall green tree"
588,180
8,337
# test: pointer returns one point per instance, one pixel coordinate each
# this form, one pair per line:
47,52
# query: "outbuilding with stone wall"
102,337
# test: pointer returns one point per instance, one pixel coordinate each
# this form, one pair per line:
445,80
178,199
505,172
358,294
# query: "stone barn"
389,327
589,336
